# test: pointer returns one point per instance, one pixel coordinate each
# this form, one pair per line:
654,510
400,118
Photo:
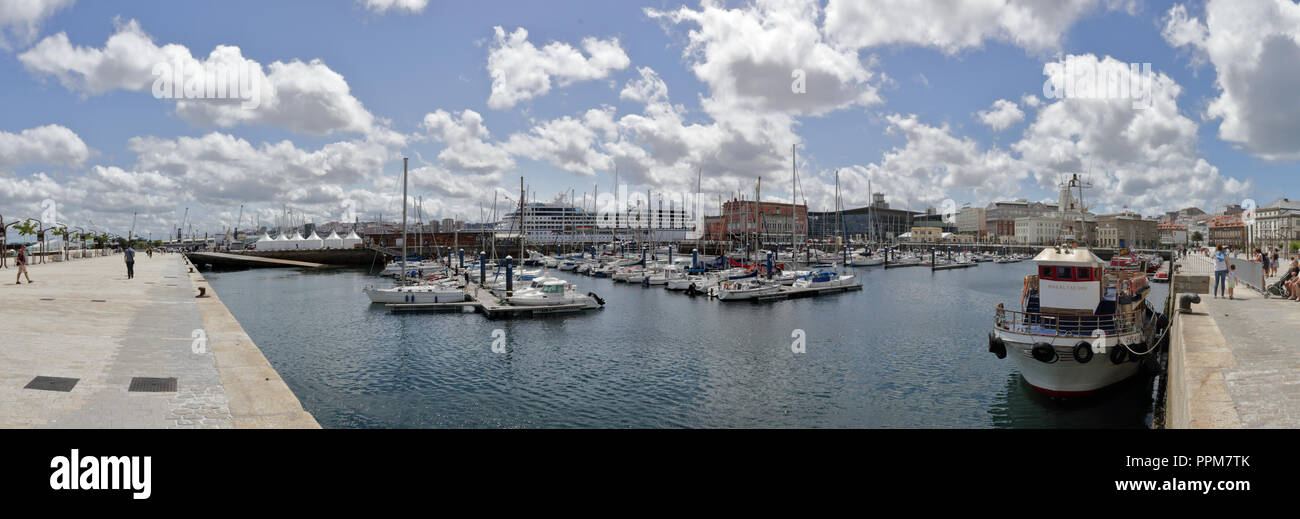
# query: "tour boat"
1082,325
554,292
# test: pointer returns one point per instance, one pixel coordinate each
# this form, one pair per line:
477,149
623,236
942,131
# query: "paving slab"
84,319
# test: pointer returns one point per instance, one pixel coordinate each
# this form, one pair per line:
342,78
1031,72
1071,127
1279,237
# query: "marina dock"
224,259
484,301
1233,363
85,347
798,292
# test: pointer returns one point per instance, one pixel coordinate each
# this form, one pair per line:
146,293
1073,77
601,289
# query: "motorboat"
555,292
748,289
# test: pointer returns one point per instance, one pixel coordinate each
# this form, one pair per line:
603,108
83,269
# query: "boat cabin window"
553,289
1060,273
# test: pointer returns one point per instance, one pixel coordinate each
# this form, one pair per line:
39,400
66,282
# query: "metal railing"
1056,325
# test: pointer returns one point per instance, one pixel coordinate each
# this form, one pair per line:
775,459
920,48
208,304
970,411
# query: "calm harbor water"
909,350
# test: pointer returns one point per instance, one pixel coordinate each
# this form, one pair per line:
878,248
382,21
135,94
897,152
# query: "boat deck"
795,293
484,301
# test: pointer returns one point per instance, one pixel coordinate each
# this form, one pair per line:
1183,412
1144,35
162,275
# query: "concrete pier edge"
1197,394
259,397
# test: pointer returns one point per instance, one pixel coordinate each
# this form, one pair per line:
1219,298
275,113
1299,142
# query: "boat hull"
1066,376
393,296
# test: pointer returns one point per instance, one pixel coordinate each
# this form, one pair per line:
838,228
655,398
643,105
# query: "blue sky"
904,113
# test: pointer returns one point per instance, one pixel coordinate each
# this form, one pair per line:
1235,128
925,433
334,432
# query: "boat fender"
997,347
1118,355
1082,352
1044,352
599,301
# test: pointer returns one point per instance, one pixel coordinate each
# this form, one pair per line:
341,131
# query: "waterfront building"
973,221
1228,231
927,234
877,222
1126,229
1173,234
1037,230
1276,224
771,222
563,223
1000,217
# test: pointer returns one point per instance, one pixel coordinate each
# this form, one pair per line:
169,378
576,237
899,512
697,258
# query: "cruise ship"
562,223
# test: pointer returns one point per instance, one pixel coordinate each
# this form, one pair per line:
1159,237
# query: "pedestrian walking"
129,256
21,261
1220,271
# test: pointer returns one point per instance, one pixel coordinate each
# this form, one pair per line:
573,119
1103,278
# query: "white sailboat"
421,293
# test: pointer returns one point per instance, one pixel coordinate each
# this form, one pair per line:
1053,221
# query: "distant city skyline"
924,104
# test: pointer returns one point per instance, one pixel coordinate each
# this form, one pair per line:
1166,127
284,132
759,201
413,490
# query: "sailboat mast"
404,160
522,194
793,197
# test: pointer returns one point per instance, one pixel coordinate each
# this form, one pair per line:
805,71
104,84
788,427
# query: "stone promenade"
84,320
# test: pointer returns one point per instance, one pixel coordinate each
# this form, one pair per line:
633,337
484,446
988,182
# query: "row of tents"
292,240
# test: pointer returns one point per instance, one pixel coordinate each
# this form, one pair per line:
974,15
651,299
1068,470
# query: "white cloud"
1036,26
221,168
383,6
933,165
21,19
467,139
1002,115
520,71
308,97
568,143
1254,46
748,56
47,145
1146,159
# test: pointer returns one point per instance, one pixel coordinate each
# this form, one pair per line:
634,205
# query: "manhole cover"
52,384
152,385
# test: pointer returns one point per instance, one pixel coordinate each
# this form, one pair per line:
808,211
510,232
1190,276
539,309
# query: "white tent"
311,242
333,241
351,240
282,241
295,241
264,243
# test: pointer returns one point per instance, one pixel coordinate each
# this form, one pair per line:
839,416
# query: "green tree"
27,227
1196,237
63,232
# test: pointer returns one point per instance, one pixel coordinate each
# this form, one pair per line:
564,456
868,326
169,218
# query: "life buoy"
1044,352
1082,352
997,347
1118,354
